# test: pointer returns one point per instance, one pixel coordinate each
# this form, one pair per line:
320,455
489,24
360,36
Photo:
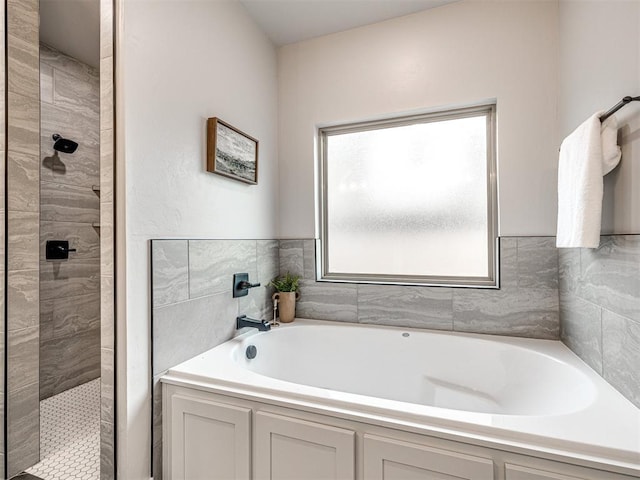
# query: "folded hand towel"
586,155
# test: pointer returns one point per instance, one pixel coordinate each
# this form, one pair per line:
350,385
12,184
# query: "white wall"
179,63
600,64
454,55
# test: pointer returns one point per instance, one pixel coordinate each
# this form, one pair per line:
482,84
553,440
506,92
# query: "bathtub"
509,393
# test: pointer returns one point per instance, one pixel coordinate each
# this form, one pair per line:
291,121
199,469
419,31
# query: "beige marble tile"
23,124
23,240
68,203
70,124
23,182
69,361
106,28
106,93
74,315
106,238
46,83
106,165
22,298
76,95
68,278
56,59
106,312
22,357
22,60
107,451
23,434
82,236
508,262
107,381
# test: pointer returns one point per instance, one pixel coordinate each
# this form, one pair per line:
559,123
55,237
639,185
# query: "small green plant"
286,283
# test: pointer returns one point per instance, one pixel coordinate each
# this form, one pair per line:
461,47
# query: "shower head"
63,145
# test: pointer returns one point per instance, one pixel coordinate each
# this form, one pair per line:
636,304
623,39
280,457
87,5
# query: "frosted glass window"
410,200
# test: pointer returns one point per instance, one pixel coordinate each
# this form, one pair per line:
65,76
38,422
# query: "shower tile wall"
526,304
107,307
22,441
70,210
193,308
600,309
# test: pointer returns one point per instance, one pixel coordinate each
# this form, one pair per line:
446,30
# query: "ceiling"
73,27
290,21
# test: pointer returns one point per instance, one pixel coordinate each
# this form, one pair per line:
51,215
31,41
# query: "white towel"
586,155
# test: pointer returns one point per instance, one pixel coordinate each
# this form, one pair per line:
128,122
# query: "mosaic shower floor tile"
70,435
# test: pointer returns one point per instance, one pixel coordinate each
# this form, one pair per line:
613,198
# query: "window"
410,200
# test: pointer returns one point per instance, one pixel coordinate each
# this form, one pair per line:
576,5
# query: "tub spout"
244,321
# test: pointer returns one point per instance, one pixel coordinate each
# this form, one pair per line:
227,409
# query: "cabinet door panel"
389,459
209,440
288,448
516,472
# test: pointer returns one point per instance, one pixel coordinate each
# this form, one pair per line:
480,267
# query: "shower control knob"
57,250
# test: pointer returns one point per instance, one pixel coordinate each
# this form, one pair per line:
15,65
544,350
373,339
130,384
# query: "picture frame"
231,152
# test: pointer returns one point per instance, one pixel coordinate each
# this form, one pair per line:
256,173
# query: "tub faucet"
244,321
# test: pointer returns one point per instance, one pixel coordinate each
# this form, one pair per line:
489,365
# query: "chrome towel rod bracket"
618,106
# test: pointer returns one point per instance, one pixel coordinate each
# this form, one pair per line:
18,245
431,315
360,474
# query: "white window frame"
492,279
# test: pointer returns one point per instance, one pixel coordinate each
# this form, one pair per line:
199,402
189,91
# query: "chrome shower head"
63,145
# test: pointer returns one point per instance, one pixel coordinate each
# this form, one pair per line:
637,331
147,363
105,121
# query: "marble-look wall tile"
309,259
170,273
69,361
68,317
69,278
107,451
23,420
22,298
77,126
292,257
107,239
621,354
24,191
57,59
183,330
22,358
106,93
23,125
609,275
78,96
328,301
107,385
106,29
268,255
106,165
537,262
68,203
213,263
581,329
84,237
420,307
600,309
516,312
46,84
107,317
23,240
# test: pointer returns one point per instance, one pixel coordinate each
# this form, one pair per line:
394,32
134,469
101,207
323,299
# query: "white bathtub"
503,392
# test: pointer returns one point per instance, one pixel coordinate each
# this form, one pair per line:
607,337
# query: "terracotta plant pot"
286,305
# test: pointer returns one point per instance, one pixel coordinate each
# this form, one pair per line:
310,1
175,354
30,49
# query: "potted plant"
286,295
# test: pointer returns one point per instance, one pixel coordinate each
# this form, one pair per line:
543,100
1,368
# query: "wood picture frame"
231,152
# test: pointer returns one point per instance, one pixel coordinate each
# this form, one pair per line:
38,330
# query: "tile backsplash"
596,300
525,305
600,309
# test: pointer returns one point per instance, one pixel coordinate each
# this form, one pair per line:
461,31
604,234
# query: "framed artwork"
231,152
